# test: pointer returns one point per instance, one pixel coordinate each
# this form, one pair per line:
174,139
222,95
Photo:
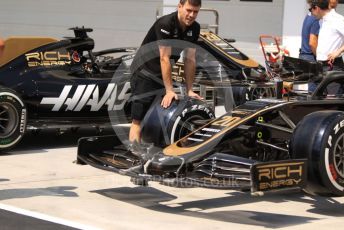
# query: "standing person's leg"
136,110
144,92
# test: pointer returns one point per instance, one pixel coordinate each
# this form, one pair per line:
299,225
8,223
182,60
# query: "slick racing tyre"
165,126
12,118
241,94
319,137
185,122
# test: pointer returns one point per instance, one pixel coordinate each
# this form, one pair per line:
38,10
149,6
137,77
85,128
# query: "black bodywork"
64,83
49,77
266,144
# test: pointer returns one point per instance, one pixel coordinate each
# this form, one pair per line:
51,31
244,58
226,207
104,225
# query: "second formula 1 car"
50,83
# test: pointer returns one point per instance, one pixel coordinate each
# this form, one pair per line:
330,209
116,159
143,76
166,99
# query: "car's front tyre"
319,137
13,118
164,126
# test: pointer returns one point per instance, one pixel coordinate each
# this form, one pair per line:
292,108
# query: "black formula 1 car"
49,83
262,145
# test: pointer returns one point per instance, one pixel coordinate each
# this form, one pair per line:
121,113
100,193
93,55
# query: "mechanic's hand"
167,100
194,95
333,56
288,86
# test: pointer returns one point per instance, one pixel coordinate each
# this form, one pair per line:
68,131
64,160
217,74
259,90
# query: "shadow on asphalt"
153,199
62,191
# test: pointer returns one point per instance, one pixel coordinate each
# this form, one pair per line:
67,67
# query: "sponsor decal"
22,121
165,32
338,126
189,33
88,95
194,139
332,156
5,141
211,130
240,112
48,58
184,113
202,134
276,175
197,107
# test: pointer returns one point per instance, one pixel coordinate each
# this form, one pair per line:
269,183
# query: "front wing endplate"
276,175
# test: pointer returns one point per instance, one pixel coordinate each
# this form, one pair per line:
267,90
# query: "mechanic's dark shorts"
144,91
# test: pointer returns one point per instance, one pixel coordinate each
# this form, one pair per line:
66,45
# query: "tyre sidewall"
314,139
9,97
330,177
197,110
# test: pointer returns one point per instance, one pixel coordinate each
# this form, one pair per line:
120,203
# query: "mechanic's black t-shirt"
165,31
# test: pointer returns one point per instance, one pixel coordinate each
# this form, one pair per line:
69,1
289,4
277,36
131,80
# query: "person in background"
309,36
331,35
152,74
333,4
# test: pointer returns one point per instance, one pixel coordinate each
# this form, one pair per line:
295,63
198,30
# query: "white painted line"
46,217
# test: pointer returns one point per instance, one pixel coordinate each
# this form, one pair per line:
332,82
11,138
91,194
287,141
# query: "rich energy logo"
48,58
89,95
272,176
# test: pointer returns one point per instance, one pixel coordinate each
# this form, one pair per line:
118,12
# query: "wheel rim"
8,120
339,155
187,126
258,93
